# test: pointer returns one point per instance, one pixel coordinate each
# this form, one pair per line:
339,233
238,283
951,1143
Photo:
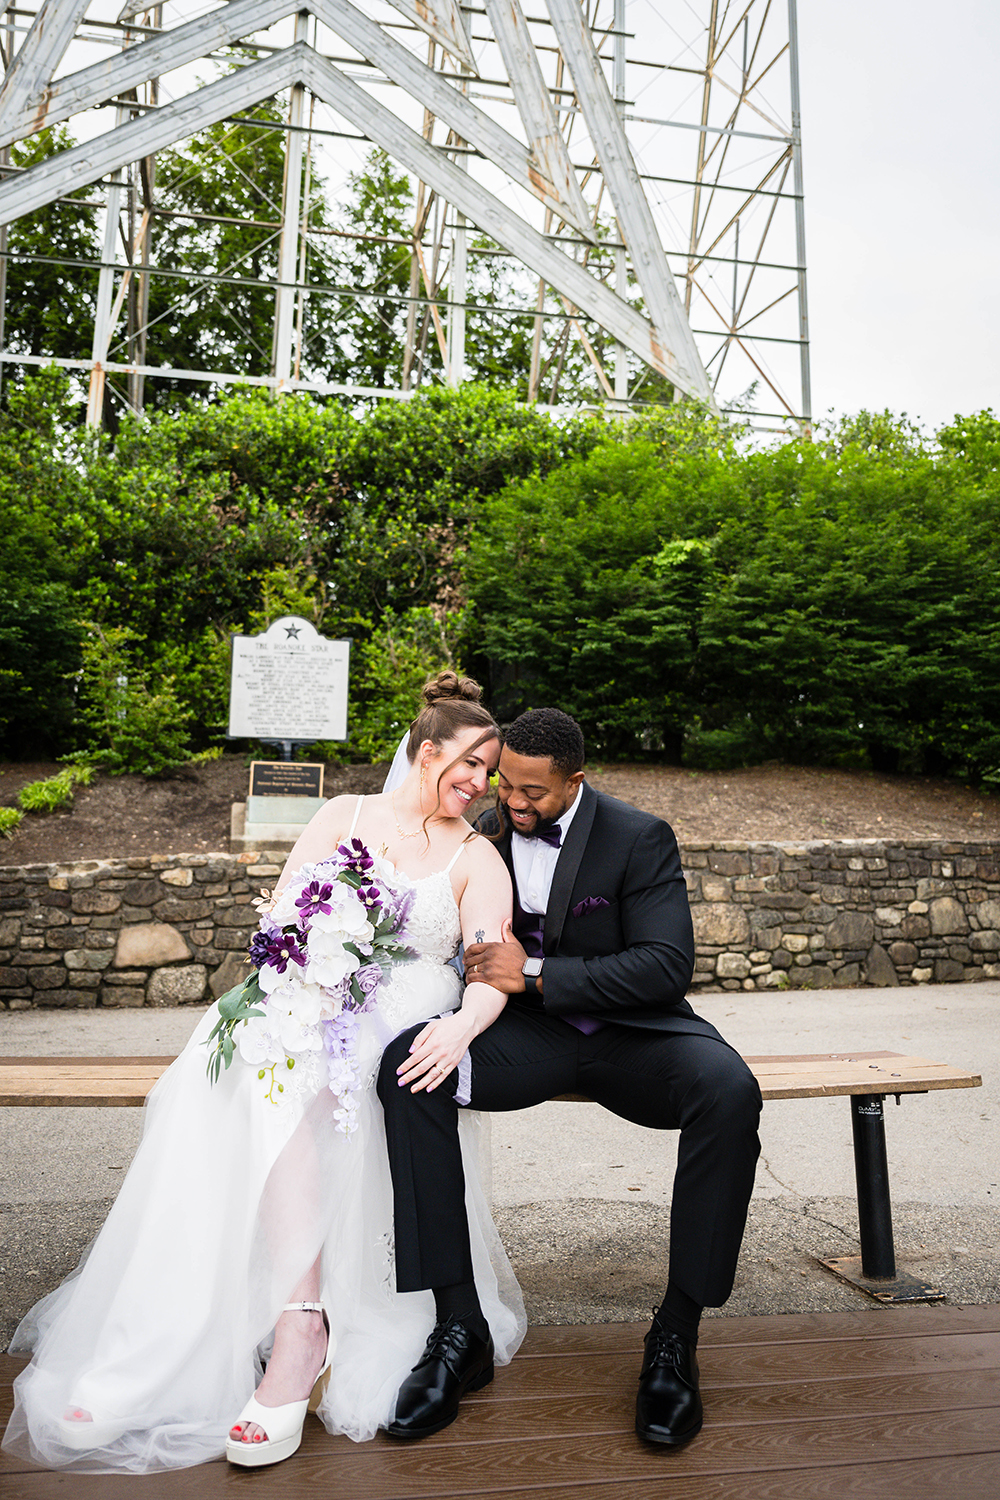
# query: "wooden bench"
866,1078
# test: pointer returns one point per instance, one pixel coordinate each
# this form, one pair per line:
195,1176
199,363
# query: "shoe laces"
664,1348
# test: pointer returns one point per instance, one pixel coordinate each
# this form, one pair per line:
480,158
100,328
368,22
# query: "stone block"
60,899
10,929
732,966
716,888
723,862
149,945
124,996
818,977
928,889
127,976
947,916
889,916
947,971
95,902
781,959
795,942
12,979
100,939
903,954
179,986
176,909
59,937
232,971
141,892
848,976
960,953
987,941
71,999
987,913
179,877
714,922
851,929
233,939
93,959
880,970
915,927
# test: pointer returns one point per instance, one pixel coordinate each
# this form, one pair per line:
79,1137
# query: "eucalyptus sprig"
236,1007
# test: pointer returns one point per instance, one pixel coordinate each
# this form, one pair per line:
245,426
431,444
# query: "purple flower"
370,895
354,856
315,898
278,949
398,908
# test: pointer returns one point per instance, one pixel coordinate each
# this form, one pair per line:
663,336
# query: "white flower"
257,1042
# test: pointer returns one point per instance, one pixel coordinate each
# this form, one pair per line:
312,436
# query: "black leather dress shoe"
454,1361
668,1406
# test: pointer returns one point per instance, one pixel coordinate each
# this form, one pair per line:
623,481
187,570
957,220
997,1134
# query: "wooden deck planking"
905,1401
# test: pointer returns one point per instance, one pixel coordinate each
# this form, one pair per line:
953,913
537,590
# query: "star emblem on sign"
292,631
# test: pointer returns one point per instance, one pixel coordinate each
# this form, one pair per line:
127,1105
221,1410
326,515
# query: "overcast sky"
901,157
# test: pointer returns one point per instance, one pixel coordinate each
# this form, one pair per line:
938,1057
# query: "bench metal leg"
874,1270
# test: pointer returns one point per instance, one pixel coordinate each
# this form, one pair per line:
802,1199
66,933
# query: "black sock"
679,1313
462,1302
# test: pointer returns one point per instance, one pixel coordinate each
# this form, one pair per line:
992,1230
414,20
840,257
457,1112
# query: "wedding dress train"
160,1332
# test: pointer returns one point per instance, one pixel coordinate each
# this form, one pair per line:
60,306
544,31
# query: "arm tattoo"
480,935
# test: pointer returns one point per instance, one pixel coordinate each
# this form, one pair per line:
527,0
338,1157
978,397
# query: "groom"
596,974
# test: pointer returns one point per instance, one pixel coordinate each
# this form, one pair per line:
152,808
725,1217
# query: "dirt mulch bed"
118,816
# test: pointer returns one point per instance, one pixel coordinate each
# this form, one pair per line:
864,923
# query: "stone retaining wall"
174,930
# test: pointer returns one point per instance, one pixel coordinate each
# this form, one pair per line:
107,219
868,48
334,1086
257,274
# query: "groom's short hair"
548,732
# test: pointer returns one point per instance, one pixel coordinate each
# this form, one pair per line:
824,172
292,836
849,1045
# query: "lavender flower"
368,980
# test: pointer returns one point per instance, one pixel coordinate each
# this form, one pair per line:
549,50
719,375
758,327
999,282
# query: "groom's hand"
498,964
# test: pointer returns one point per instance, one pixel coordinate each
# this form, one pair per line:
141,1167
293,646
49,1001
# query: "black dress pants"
670,1081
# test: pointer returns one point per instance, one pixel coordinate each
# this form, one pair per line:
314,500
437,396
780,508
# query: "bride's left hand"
436,1051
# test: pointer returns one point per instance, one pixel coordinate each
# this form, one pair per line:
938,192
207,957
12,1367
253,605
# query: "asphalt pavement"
581,1197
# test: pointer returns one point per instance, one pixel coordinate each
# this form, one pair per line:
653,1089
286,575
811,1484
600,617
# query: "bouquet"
322,949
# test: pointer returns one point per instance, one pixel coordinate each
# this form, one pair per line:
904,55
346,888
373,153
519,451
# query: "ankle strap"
303,1307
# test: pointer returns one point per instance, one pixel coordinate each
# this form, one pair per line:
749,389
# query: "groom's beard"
540,825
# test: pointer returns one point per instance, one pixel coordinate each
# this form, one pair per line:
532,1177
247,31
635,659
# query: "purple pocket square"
592,903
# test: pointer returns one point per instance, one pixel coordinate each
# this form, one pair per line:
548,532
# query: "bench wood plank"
125,1081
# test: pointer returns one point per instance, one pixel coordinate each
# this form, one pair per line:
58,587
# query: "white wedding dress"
160,1331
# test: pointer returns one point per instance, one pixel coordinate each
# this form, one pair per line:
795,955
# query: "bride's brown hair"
451,704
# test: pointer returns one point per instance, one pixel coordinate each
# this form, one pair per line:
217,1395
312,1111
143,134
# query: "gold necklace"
395,815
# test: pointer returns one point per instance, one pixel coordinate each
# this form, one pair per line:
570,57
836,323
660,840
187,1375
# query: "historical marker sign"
289,684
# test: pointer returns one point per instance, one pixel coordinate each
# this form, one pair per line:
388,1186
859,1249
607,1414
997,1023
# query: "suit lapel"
568,867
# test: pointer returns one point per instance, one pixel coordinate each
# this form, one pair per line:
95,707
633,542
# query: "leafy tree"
49,308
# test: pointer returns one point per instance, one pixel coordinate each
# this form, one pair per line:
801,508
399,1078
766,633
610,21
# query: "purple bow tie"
552,836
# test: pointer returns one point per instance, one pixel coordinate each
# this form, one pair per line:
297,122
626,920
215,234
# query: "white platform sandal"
283,1424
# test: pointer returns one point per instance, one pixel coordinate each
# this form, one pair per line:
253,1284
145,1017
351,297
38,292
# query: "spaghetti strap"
451,863
357,814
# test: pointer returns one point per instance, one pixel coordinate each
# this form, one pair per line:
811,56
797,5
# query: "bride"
251,1232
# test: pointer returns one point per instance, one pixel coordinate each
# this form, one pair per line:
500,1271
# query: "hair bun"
450,685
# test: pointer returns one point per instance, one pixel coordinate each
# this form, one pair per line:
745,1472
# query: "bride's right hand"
438,1049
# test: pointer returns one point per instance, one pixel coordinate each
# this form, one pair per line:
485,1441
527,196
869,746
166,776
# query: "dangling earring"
423,778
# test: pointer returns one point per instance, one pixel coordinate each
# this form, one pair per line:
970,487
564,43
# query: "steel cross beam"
240,18
625,187
534,103
497,220
443,23
54,102
41,52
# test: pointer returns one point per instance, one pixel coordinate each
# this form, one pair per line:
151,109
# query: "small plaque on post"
286,778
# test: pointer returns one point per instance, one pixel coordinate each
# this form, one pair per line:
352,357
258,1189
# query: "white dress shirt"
535,862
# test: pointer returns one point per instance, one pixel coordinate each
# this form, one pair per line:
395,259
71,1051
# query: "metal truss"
553,148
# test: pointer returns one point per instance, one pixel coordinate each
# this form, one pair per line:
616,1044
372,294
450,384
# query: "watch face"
532,967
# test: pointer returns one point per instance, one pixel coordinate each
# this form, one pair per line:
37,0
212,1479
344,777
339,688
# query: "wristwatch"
532,969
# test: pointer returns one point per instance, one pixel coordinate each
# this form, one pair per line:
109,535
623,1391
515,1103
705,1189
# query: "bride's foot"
299,1356
81,1430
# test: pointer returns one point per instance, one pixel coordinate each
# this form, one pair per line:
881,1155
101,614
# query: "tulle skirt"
161,1330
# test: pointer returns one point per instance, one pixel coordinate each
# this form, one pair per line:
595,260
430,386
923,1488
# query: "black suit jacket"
630,961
